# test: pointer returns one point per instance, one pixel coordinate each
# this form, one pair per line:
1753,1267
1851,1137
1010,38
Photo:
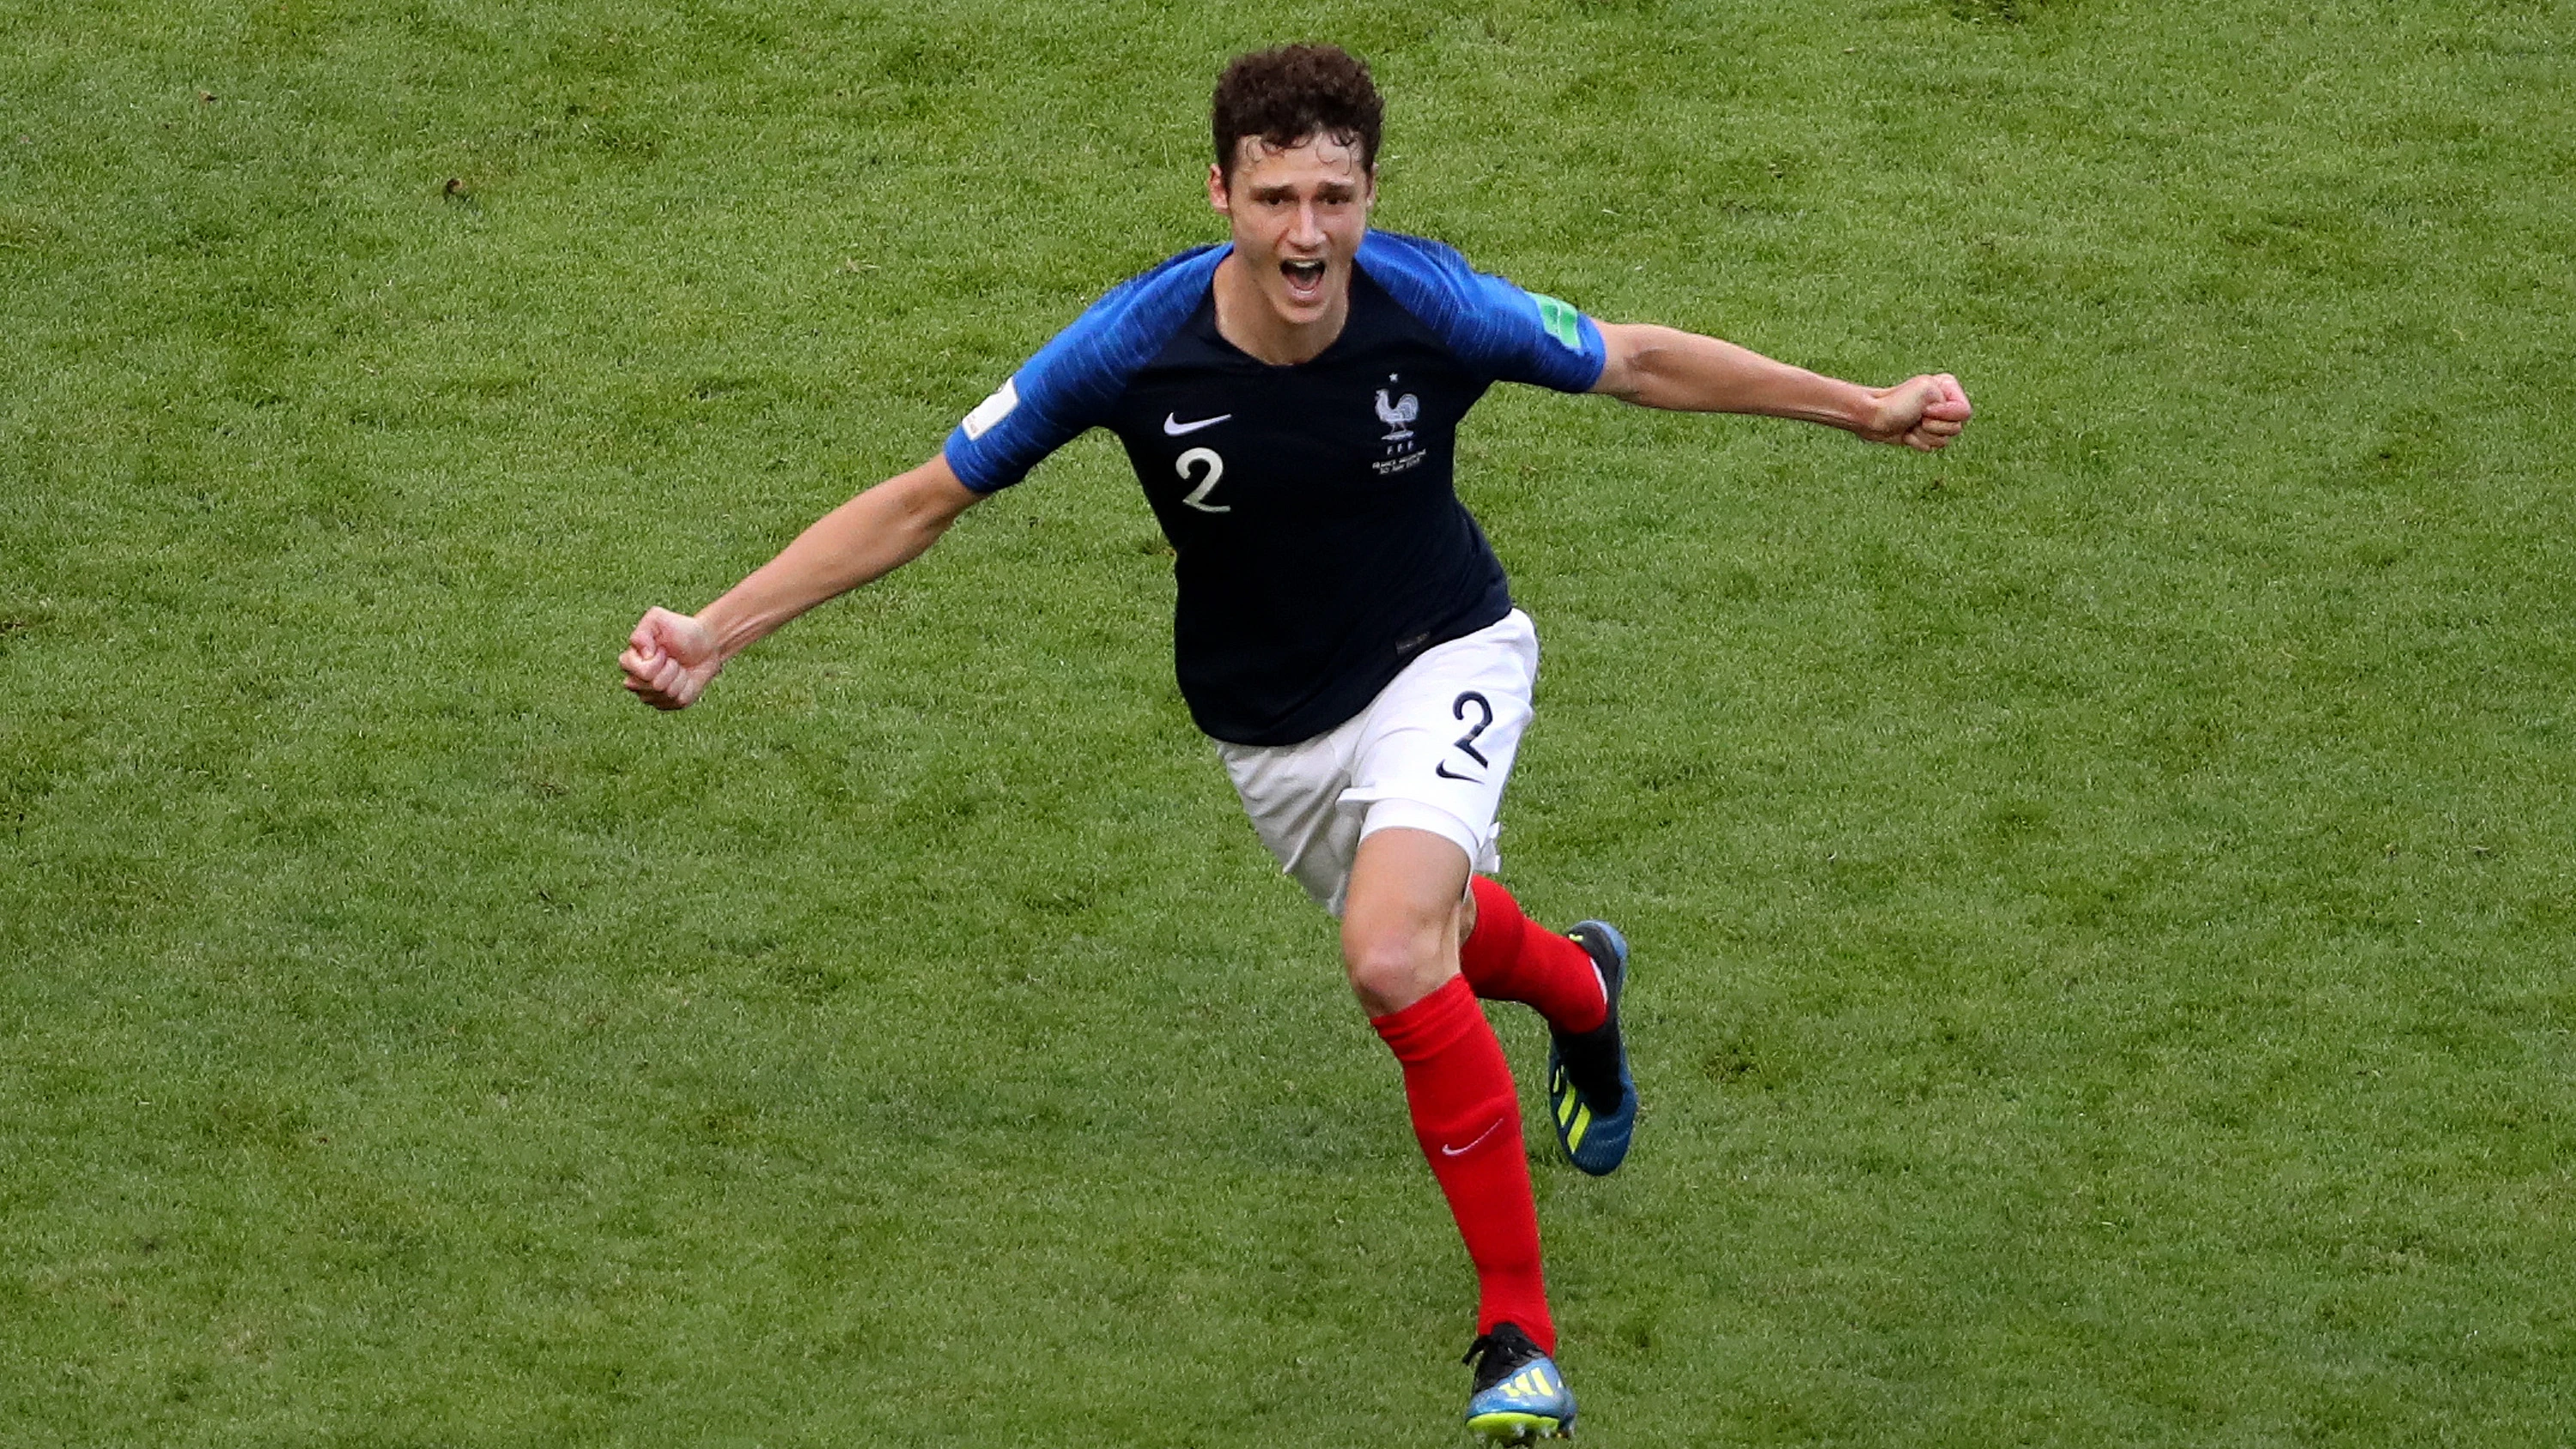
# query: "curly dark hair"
1285,95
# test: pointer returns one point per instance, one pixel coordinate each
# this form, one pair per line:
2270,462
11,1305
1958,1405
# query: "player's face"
1298,214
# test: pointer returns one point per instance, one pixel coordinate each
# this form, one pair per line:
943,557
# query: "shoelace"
1498,1356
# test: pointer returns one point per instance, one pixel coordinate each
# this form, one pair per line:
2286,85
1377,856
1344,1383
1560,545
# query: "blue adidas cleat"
1519,1396
1595,1141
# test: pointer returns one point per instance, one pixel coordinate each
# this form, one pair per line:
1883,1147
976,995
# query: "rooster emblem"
1397,415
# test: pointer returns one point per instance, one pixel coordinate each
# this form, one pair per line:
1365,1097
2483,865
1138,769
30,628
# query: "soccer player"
1290,400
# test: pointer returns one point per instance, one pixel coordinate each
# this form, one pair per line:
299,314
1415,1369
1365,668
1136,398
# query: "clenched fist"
1923,413
669,659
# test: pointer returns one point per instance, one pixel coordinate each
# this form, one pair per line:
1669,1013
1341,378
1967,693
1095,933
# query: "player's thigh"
1439,743
1399,934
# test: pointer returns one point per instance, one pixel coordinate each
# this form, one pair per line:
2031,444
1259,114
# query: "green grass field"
2103,895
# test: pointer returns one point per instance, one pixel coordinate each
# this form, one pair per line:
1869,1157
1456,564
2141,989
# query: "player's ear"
1216,190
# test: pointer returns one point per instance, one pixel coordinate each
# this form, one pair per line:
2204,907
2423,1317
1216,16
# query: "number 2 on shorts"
1466,743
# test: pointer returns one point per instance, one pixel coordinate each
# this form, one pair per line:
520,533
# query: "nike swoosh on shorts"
1174,427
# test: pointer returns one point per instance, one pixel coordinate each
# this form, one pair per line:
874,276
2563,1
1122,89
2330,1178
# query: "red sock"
1508,957
1468,1119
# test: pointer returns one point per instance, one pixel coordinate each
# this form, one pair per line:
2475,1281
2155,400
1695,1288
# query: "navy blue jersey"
1320,543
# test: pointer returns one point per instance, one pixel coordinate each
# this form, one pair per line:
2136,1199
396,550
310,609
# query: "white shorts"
1431,752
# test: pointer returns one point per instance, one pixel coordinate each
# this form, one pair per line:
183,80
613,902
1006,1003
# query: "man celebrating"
1290,400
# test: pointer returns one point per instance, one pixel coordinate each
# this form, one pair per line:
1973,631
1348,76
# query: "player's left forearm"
1665,367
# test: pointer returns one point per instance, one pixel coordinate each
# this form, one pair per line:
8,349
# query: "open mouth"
1305,278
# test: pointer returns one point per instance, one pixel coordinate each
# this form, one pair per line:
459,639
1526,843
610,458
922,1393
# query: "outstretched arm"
670,658
1665,367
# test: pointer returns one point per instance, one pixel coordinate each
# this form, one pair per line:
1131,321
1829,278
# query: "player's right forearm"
859,542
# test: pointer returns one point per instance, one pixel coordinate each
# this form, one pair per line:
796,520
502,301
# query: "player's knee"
1391,969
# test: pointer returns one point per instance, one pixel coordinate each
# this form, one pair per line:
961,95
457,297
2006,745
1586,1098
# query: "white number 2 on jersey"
1215,470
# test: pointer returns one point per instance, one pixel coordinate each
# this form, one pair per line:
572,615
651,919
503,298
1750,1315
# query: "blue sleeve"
1073,381
1493,326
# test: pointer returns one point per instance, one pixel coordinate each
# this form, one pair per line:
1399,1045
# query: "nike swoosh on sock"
1448,1151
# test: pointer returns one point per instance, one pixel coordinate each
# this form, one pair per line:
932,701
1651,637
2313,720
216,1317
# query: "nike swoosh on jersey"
1448,1151
1174,427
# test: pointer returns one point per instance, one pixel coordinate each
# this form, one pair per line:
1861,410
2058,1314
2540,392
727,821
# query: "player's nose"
1306,230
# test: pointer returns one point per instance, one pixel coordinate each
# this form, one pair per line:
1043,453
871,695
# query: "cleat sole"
1519,1428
